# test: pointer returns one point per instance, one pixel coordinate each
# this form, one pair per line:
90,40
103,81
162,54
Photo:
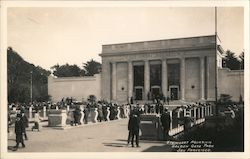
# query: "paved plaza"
102,137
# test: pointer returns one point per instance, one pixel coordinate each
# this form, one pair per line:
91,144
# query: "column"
185,112
114,81
199,113
202,78
44,111
30,112
195,113
182,78
207,76
171,117
130,80
164,82
202,112
146,78
178,117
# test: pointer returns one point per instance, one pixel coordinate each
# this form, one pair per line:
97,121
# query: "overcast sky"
47,36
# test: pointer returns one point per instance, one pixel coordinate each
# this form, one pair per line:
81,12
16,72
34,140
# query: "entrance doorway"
138,93
155,92
174,92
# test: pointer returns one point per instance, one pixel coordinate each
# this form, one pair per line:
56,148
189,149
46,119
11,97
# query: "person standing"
19,129
168,100
9,122
129,127
165,122
36,121
86,113
77,116
100,112
133,127
25,124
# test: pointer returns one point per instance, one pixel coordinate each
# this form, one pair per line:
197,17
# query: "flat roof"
164,44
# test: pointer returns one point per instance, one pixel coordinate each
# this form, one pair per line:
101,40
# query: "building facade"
182,69
78,88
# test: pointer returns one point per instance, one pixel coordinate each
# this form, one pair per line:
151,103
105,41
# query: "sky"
50,36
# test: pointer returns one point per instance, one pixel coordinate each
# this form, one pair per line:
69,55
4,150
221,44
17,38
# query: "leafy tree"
91,67
19,79
67,70
231,61
242,60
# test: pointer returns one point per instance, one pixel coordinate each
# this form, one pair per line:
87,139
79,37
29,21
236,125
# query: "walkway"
105,137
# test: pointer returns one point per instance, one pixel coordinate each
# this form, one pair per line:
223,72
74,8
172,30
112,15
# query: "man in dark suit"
165,122
25,121
19,129
133,127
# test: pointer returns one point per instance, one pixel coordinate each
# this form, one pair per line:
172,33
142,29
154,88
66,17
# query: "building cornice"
211,46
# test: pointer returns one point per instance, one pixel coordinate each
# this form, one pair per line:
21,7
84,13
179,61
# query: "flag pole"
216,69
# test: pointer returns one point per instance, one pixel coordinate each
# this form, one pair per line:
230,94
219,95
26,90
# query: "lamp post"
31,85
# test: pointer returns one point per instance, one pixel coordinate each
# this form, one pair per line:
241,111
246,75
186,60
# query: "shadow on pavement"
115,144
12,148
164,148
143,141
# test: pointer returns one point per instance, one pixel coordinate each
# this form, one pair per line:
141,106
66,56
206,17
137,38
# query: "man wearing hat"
165,122
19,129
133,127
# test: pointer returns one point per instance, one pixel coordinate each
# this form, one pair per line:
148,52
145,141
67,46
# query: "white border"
63,155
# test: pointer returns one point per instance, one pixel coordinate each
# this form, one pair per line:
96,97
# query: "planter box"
57,118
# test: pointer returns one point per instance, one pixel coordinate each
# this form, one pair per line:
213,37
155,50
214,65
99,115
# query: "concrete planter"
93,115
57,118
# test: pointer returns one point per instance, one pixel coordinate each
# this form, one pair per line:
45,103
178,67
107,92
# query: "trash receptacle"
150,127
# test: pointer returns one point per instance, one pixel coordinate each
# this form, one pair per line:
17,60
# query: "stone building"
183,69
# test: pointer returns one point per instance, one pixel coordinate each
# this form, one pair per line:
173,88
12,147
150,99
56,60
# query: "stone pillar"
199,113
183,78
164,83
171,119
207,77
146,78
82,115
114,81
130,80
185,112
44,111
202,78
202,112
30,112
211,110
108,113
118,113
205,111
194,113
178,117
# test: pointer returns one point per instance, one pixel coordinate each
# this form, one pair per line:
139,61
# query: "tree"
231,61
91,67
19,79
67,70
242,60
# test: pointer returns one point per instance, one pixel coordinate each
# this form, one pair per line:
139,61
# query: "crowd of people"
77,109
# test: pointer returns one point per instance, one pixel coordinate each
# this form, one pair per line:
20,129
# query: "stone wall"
122,82
76,87
231,82
192,82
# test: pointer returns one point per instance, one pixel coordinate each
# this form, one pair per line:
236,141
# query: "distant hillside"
19,79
